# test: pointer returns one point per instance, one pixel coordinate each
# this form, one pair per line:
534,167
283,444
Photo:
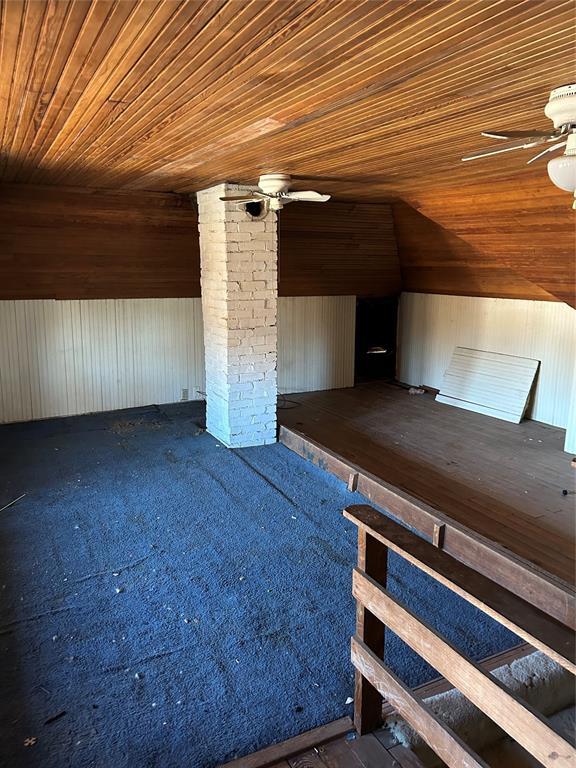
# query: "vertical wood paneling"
64,357
59,358
316,342
432,325
570,444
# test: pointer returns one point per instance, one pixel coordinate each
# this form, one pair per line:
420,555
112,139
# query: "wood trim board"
373,559
286,749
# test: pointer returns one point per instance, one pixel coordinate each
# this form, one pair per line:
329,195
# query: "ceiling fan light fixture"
562,170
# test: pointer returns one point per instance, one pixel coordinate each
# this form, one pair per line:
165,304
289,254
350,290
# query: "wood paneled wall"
67,243
513,239
431,326
337,249
59,358
316,337
506,240
435,260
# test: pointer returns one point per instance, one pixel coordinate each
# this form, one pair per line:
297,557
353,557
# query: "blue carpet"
167,602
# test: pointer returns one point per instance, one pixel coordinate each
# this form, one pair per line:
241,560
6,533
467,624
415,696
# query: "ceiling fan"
561,109
274,191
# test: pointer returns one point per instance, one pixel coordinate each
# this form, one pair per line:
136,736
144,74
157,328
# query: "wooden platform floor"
502,480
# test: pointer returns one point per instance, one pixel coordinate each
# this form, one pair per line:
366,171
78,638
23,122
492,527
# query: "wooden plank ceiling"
370,100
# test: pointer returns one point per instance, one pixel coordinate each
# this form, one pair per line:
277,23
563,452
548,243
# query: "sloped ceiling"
514,239
370,101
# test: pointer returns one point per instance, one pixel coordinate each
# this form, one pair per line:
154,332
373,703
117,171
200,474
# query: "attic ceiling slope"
435,259
176,96
522,233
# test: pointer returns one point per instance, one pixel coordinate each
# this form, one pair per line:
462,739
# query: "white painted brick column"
239,279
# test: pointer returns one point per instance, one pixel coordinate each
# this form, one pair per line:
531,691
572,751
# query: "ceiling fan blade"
344,179
307,196
499,150
520,135
548,149
241,199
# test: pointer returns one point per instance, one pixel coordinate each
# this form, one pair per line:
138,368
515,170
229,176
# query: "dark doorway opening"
376,321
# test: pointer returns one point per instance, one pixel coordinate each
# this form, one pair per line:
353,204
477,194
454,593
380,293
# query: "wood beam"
518,719
445,743
532,625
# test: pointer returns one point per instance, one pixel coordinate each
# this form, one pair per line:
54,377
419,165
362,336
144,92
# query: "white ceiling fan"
561,109
274,191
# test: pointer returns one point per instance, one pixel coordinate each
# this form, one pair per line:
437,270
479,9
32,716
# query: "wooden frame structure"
377,608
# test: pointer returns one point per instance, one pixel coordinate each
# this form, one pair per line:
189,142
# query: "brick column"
239,280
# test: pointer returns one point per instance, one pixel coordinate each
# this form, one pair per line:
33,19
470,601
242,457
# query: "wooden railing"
377,608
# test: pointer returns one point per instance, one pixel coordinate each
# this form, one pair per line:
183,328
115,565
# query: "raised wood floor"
502,481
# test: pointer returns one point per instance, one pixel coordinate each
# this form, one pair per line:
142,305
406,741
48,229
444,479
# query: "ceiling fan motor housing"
274,183
561,107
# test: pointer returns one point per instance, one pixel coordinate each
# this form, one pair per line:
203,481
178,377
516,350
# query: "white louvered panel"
487,382
316,336
432,325
64,357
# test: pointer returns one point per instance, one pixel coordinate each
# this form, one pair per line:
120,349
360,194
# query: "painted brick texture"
239,282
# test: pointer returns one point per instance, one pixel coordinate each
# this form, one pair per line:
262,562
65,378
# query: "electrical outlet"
184,394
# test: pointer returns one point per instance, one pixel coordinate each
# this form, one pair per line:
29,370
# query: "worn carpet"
167,602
